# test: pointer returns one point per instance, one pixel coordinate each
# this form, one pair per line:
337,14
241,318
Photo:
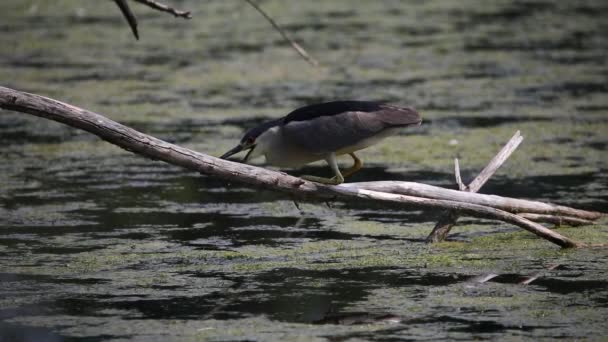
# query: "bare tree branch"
132,20
512,205
459,182
448,219
129,16
150,147
164,8
276,26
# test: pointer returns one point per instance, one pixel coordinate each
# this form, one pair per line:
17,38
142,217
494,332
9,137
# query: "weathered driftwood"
466,208
512,205
154,148
448,219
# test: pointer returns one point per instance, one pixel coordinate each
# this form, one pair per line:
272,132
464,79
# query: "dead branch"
164,8
150,147
448,219
129,16
300,50
132,20
532,277
512,205
463,207
459,182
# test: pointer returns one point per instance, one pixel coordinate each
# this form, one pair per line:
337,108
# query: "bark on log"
154,148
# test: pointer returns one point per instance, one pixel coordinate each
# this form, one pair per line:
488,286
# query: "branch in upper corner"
132,20
295,45
164,8
128,14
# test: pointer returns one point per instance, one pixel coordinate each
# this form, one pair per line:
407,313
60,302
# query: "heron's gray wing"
324,134
394,116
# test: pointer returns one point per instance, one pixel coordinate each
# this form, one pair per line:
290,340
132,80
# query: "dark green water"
98,244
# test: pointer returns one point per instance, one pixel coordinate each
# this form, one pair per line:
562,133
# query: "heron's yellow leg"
356,166
335,180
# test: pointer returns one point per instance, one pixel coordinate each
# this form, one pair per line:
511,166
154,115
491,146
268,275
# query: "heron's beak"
238,149
251,148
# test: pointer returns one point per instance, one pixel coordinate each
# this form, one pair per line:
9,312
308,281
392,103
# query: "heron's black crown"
256,131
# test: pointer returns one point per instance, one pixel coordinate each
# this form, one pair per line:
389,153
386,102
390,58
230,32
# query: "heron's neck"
267,143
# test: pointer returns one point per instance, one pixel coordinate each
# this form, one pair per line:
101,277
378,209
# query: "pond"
100,244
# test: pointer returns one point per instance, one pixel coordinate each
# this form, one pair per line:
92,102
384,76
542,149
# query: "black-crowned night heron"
324,131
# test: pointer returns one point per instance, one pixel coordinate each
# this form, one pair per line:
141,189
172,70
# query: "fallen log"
150,147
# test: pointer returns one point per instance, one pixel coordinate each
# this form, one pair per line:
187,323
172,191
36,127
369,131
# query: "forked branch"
448,219
132,20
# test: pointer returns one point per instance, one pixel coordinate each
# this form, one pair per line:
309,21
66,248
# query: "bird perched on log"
323,132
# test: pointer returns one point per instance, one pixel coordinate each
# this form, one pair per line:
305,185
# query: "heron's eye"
250,141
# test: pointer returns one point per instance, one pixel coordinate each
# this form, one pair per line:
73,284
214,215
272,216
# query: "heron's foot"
357,165
335,180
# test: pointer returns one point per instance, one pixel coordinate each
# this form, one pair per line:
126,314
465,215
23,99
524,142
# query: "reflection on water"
97,244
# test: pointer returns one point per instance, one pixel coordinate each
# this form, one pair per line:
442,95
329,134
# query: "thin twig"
529,279
448,219
295,45
459,182
164,8
483,278
132,20
129,16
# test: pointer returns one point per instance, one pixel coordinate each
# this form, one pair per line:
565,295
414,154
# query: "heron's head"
249,142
